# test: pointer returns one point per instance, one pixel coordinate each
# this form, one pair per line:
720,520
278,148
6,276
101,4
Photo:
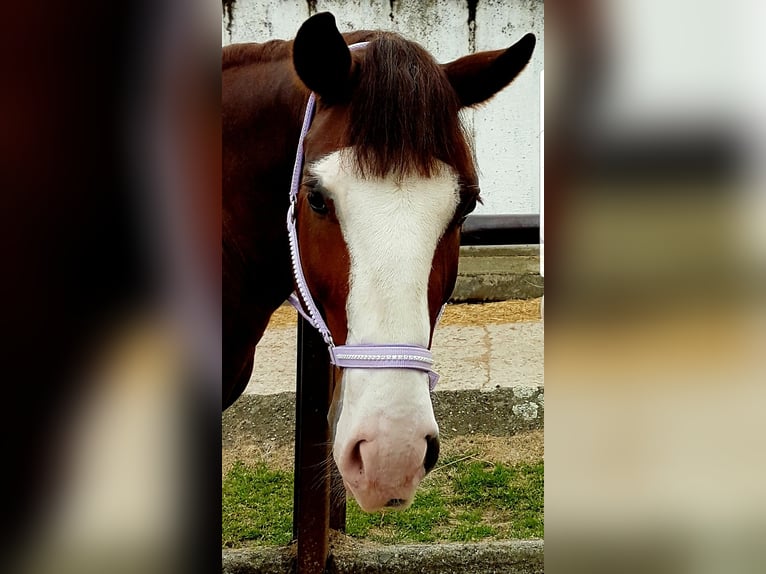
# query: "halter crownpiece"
347,356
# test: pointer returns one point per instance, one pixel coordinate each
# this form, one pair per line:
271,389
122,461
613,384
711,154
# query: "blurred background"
110,185
654,224
654,218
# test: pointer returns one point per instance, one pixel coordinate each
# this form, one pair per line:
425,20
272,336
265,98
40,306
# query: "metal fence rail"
501,230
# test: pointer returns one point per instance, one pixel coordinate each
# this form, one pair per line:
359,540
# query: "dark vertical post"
311,502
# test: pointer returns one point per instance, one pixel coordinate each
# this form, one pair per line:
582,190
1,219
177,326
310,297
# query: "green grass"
257,505
462,500
414,524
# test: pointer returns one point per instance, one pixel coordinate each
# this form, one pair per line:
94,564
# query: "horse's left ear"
321,57
478,77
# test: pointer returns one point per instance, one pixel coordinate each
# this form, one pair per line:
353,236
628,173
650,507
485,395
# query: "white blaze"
391,229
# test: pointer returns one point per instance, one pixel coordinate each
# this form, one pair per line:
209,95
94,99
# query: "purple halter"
351,356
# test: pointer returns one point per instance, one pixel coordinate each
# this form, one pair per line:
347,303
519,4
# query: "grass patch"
416,524
470,527
514,493
462,500
257,505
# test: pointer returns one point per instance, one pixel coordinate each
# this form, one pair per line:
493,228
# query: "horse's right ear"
321,57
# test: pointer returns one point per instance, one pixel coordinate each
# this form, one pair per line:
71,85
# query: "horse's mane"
404,112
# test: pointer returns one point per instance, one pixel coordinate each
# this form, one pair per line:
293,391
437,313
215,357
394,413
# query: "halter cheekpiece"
349,356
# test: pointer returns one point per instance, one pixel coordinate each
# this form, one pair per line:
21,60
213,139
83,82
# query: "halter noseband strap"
347,356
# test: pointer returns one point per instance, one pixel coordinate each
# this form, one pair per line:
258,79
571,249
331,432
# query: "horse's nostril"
355,457
432,452
395,503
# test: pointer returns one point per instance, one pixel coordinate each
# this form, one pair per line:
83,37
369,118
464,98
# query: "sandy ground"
460,314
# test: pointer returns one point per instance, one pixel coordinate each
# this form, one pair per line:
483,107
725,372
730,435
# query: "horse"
385,181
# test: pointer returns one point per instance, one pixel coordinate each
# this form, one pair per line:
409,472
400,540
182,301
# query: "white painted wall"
506,131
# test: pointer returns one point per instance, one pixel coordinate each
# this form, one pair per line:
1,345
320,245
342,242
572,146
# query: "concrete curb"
498,273
270,419
507,556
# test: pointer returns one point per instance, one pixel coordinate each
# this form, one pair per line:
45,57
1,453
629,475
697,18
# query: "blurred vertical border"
110,218
655,274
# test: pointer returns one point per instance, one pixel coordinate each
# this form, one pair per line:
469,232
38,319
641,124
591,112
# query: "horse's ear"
321,57
478,77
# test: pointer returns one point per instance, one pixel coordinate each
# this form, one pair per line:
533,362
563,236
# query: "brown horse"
387,180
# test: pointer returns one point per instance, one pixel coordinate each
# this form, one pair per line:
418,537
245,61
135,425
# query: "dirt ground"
524,447
456,314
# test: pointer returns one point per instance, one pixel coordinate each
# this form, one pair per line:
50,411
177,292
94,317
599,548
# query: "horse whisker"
467,457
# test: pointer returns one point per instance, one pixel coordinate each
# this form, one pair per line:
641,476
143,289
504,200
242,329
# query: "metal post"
311,502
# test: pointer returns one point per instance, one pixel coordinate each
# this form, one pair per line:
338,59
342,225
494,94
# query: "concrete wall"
506,131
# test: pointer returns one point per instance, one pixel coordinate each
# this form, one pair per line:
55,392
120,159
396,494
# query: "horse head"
387,180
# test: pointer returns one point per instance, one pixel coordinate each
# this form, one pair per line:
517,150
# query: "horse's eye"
317,203
467,208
